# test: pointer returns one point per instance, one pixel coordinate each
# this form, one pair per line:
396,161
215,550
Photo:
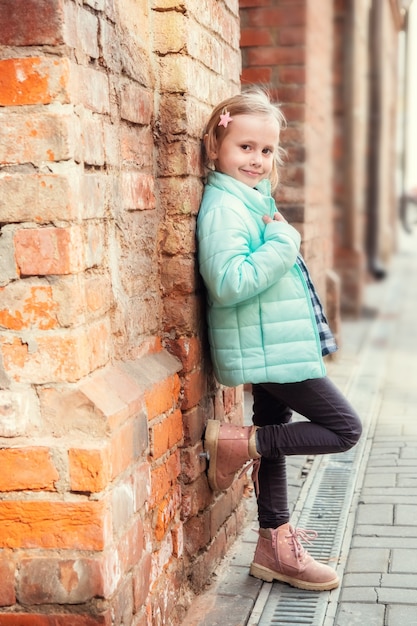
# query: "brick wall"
105,512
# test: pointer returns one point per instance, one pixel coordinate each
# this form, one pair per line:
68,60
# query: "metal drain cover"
325,510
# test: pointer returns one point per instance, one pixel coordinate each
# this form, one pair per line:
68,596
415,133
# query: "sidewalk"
378,564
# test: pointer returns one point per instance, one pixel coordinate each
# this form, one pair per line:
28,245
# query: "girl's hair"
253,101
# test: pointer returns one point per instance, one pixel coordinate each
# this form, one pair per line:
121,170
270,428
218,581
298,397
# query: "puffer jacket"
261,322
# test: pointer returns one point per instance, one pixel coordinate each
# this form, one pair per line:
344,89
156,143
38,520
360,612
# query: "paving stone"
404,561
368,560
360,614
402,615
375,514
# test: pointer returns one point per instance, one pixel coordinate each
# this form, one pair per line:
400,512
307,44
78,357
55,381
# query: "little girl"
266,327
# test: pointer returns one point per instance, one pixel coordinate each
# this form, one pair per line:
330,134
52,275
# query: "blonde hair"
253,101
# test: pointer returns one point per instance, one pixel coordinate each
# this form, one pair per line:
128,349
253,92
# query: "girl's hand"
277,217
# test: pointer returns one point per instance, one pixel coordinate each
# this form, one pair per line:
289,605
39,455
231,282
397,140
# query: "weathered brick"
43,251
141,580
67,355
91,88
27,469
81,30
179,275
30,22
163,477
137,190
166,511
55,619
162,396
7,577
123,504
194,388
166,433
41,198
142,478
89,469
182,315
52,580
33,80
39,138
27,305
40,524
136,103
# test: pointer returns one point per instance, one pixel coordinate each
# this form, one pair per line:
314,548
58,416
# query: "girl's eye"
267,151
245,146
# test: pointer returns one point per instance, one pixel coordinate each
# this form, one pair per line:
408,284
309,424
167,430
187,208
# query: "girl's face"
246,152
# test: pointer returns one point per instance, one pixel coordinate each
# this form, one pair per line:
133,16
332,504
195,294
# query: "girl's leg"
272,499
333,425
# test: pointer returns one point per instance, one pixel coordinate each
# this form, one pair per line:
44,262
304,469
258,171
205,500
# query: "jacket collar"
258,199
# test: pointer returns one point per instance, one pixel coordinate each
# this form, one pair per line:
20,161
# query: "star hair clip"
225,119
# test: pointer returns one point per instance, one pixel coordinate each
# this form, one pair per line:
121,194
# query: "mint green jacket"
261,323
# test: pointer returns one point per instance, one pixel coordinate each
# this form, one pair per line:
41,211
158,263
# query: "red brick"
55,619
27,469
136,104
256,75
163,477
89,469
7,577
195,388
36,138
33,80
179,275
255,37
131,545
276,17
162,396
31,22
166,511
137,190
66,525
27,306
41,198
182,313
141,580
64,356
46,251
58,581
142,478
123,448
275,56
166,434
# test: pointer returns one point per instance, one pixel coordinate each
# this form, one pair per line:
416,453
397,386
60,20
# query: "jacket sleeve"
233,267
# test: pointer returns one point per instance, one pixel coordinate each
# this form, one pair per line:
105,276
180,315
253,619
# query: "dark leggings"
333,426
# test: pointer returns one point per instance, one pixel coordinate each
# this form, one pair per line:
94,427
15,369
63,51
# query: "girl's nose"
256,158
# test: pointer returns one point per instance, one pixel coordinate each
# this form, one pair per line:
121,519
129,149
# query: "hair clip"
225,119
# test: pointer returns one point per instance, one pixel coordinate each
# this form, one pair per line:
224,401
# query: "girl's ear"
211,148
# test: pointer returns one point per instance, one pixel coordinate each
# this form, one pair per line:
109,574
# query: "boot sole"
268,575
211,439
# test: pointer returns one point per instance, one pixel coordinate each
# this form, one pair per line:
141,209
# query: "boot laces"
296,535
255,465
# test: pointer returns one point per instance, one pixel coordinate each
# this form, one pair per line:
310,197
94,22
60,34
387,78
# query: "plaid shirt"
327,340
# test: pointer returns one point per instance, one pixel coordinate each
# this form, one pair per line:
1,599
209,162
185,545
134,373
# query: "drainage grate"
325,509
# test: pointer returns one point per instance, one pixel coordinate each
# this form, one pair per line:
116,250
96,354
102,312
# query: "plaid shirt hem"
327,340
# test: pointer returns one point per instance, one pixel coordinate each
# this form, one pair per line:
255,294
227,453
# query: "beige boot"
228,448
280,556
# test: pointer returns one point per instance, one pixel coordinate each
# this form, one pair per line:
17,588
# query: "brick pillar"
105,383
